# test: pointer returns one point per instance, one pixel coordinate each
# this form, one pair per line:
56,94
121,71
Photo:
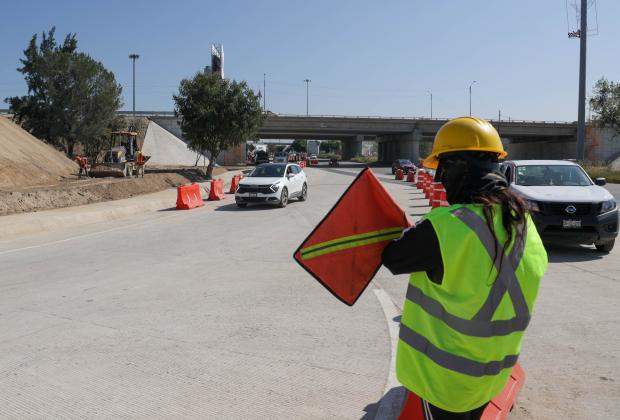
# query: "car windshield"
404,162
551,175
268,171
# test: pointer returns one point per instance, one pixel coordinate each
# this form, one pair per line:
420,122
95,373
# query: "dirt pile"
26,161
77,193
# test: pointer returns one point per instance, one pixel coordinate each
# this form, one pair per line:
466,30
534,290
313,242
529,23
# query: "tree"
71,97
605,103
299,145
216,114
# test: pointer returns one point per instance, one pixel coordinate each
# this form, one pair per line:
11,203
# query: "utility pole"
472,83
499,119
307,82
264,91
581,109
429,92
133,58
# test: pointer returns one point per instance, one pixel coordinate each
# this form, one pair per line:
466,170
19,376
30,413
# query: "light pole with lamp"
472,83
133,58
307,83
264,91
429,92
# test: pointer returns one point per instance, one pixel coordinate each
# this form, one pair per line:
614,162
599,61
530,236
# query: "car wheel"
605,246
242,205
283,198
304,193
393,171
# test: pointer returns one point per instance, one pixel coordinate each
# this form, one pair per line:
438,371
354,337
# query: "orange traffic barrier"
188,197
443,199
497,409
302,164
425,184
234,184
400,175
410,176
435,199
217,190
429,190
421,175
500,406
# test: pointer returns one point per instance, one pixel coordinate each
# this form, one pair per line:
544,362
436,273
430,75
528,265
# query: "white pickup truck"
566,204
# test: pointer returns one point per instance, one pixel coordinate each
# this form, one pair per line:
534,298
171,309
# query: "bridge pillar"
352,147
400,146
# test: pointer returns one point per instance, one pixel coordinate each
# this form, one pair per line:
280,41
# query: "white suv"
566,204
272,183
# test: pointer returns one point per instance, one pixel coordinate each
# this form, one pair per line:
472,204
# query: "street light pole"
133,58
264,91
307,82
581,109
472,83
429,92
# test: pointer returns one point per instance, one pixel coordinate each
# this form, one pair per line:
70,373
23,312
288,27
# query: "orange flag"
344,251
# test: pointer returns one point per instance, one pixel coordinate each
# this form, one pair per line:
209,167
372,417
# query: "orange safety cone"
444,199
435,199
420,183
400,175
410,176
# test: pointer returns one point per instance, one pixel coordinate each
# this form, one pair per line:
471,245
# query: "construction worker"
475,269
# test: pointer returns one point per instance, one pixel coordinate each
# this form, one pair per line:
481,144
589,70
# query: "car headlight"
608,206
275,186
533,206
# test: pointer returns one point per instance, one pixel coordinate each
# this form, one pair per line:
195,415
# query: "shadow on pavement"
168,209
250,207
388,407
559,253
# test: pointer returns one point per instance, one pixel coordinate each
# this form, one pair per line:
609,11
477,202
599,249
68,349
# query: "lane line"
394,393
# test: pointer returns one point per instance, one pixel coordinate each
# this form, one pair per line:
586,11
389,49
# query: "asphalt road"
204,314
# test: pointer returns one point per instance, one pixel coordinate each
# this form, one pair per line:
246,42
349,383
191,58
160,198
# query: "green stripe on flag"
352,241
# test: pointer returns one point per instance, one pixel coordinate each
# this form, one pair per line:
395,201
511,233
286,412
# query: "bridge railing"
419,118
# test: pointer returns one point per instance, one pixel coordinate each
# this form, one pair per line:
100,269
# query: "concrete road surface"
204,314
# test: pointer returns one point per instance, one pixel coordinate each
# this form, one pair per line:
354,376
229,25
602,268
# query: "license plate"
571,224
253,194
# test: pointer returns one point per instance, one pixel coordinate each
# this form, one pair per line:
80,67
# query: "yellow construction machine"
123,158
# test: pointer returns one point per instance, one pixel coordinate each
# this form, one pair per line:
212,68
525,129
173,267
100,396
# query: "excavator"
123,158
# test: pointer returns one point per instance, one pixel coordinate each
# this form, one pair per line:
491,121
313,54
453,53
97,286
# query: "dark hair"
514,212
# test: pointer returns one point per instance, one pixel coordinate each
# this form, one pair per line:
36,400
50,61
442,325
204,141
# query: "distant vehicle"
313,156
274,183
405,164
280,157
566,204
261,157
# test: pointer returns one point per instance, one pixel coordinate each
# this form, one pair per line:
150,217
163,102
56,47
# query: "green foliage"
300,145
605,103
331,146
364,159
71,97
216,114
602,172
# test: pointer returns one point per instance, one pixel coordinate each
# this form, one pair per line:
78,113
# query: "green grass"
364,159
603,172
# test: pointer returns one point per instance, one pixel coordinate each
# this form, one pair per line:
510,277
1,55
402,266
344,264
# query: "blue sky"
363,57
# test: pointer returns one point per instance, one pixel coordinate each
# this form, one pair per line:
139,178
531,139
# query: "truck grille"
559,209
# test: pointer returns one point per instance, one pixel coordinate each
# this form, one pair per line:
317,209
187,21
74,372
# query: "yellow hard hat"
465,134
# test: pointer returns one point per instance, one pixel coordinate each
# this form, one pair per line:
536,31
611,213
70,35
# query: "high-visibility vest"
460,339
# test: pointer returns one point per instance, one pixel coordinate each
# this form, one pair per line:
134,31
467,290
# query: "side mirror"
600,181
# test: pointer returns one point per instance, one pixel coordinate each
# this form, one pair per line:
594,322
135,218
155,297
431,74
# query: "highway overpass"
403,137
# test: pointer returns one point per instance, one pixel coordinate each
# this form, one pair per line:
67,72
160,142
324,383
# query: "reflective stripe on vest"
352,241
481,325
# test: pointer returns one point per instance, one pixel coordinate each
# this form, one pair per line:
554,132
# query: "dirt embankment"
26,161
78,193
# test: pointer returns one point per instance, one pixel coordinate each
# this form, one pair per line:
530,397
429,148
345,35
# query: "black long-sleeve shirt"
416,250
